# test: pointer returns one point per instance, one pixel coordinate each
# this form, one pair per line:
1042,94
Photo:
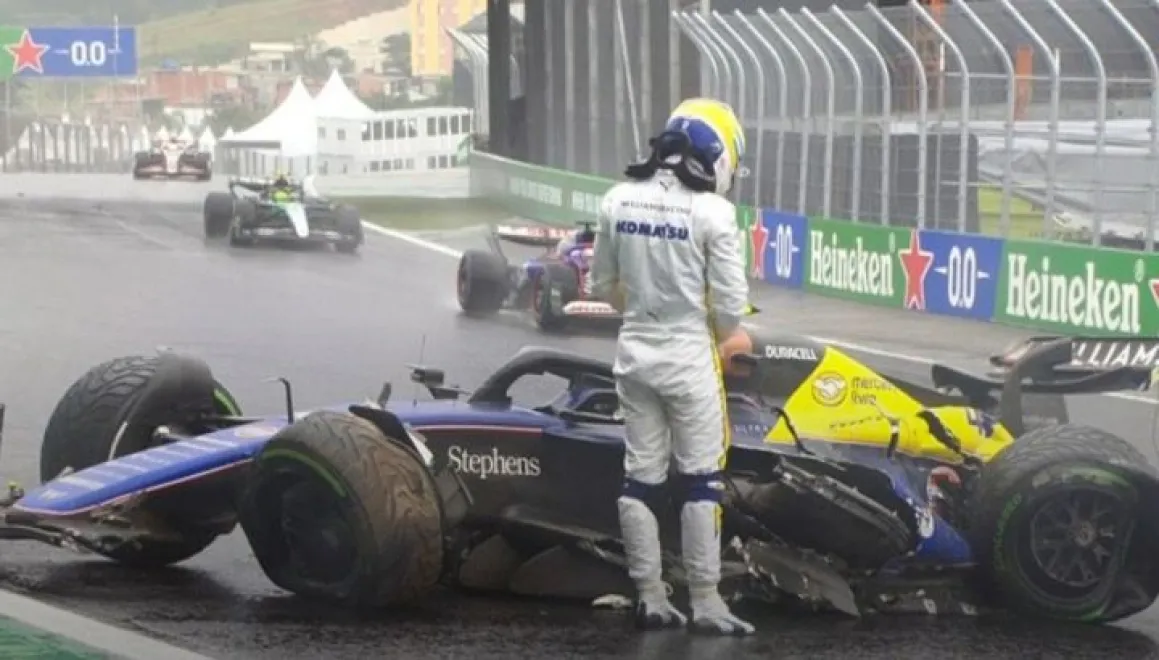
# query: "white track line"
840,343
115,641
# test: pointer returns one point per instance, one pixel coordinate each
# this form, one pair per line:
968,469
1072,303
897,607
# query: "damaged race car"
281,210
552,286
173,159
846,489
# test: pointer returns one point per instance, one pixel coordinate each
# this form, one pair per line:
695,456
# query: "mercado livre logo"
1078,293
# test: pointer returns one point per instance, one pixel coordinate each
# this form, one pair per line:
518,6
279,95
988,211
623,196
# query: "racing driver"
667,242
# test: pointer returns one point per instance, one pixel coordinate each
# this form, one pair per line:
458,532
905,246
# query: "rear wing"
1031,377
1089,354
546,237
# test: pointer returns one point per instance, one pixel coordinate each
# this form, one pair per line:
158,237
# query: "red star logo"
759,239
916,263
26,54
1155,291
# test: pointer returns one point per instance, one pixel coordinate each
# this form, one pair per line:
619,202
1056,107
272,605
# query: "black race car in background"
173,159
280,210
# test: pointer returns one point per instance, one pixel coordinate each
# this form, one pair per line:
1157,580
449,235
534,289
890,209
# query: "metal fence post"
594,88
1055,108
569,83
1100,113
1153,128
923,111
701,24
806,110
782,107
830,111
761,114
713,86
858,109
549,123
1011,106
741,103
886,106
963,112
626,62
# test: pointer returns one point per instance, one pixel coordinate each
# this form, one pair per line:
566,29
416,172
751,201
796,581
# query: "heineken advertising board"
1058,288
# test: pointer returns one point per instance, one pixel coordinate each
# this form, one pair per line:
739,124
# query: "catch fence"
1013,118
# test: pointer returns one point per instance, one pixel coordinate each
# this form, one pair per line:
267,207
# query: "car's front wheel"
337,511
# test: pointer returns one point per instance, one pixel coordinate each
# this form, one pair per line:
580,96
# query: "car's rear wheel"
1054,523
113,410
337,511
350,226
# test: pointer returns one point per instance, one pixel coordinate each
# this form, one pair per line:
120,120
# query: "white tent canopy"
336,101
207,141
292,128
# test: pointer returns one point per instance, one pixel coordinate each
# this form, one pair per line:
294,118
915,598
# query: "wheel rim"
320,542
1074,537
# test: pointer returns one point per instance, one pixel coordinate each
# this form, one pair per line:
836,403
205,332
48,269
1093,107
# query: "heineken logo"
852,268
1087,299
1112,353
535,191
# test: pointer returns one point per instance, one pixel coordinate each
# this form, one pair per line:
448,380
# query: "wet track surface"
91,268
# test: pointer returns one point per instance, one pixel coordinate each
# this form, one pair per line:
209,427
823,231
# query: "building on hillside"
190,85
270,57
430,48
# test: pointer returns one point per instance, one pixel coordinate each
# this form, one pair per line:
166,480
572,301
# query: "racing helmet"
715,139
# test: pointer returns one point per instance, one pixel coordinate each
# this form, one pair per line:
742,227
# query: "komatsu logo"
664,230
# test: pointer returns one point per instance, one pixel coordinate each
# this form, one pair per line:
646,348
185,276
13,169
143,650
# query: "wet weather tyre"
99,418
335,510
1053,520
350,225
218,212
482,282
244,218
558,286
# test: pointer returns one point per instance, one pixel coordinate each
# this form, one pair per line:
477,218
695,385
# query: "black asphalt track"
94,267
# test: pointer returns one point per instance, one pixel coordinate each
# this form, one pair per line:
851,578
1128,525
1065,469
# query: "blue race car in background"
552,286
846,489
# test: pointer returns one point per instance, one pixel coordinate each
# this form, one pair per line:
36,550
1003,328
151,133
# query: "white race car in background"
173,159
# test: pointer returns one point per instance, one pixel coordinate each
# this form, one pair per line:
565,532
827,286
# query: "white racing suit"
676,258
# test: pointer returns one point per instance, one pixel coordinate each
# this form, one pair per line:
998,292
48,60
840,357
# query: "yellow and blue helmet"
716,137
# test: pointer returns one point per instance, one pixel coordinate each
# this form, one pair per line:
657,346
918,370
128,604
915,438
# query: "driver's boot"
700,540
641,536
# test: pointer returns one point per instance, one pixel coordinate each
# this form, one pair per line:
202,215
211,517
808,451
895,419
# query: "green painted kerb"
18,640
